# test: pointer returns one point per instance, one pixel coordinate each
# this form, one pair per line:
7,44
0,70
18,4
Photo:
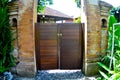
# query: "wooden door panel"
70,50
58,46
47,42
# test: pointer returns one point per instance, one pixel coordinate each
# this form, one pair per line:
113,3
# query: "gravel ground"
58,75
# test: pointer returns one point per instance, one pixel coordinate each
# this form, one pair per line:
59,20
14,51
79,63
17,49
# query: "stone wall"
104,40
104,14
13,9
27,16
91,10
95,35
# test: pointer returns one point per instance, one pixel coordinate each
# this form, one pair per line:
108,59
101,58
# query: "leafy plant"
42,4
78,3
111,62
77,20
6,47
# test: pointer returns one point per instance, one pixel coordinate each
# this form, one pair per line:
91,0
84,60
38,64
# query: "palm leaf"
104,75
104,66
115,76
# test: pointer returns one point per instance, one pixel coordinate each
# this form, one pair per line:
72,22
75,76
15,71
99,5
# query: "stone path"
58,75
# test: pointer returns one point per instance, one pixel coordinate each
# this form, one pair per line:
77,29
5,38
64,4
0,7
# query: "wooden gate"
58,46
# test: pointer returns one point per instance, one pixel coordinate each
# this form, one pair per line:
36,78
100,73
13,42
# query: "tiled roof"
103,3
51,12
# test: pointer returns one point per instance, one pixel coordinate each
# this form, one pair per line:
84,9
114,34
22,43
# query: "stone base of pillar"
91,69
26,69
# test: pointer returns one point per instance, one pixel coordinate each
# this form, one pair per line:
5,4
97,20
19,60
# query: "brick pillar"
27,16
91,18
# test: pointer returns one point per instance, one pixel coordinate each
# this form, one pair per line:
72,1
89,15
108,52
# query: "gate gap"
61,11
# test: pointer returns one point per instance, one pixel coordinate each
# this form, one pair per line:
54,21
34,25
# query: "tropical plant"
111,62
77,20
6,47
78,2
42,4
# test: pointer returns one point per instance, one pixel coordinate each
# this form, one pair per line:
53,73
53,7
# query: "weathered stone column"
27,16
91,18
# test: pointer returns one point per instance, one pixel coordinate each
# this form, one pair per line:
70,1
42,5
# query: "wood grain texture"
70,49
59,46
47,46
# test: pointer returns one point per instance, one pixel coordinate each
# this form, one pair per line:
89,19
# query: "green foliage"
104,75
116,13
113,74
78,2
42,4
110,64
6,58
104,66
78,20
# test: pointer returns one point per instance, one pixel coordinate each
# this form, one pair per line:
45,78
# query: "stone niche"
104,14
